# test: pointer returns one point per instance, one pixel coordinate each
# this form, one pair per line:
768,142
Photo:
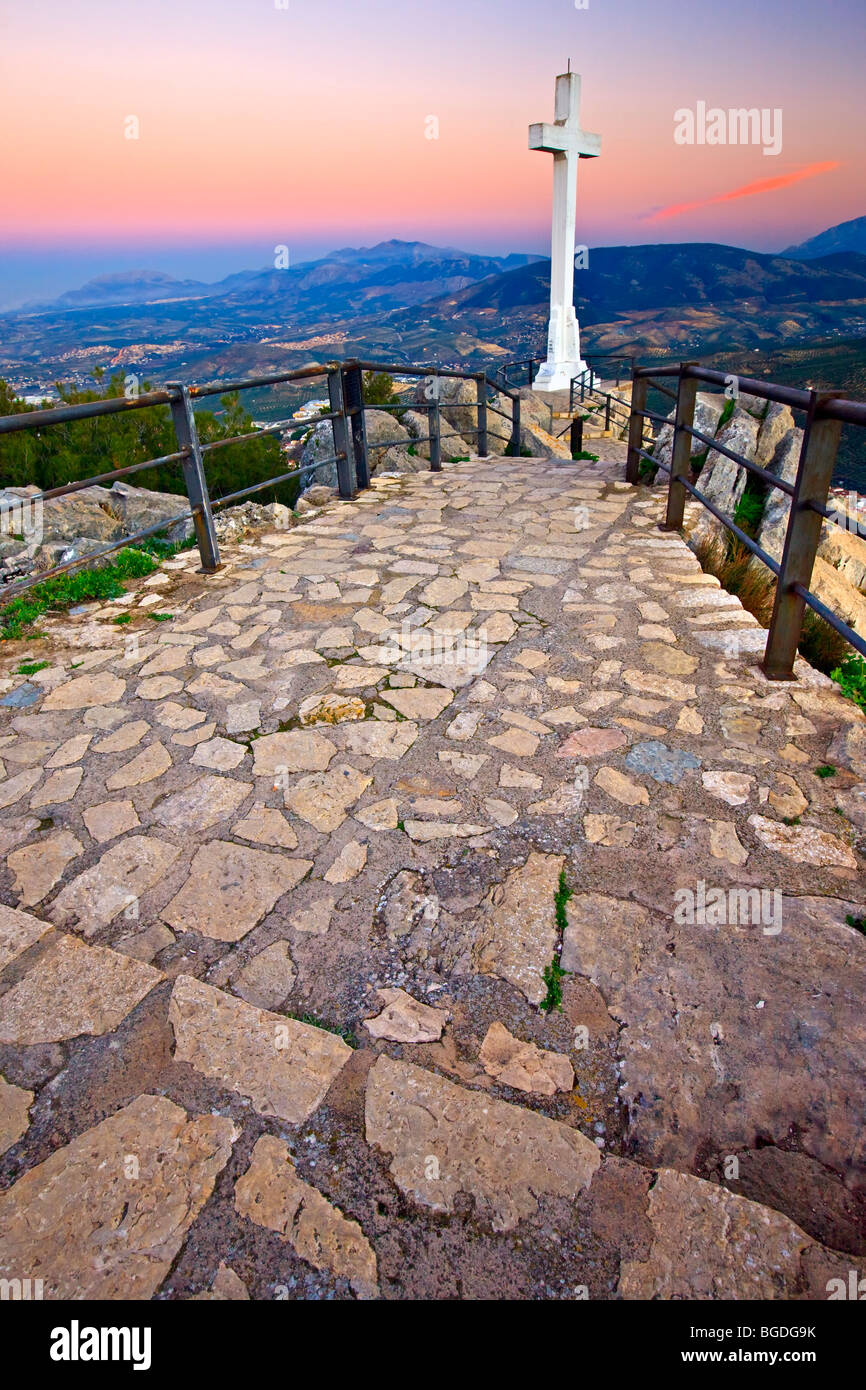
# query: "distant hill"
405,301
393,273
847,236
691,294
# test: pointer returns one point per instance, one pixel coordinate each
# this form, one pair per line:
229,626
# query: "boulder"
708,413
846,552
783,464
453,445
722,480
777,423
383,428
89,513
139,507
317,447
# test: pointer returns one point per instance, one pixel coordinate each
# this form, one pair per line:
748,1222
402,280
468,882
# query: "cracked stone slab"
37,867
709,1243
522,1065
202,804
271,1194
444,1140
404,1019
93,1232
15,1103
84,691
231,888
284,1067
298,750
18,932
118,880
324,798
518,933
73,990
146,766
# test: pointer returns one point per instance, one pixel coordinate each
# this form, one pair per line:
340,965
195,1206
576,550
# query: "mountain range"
392,274
409,301
847,236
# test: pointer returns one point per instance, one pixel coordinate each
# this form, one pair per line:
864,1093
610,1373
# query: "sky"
280,122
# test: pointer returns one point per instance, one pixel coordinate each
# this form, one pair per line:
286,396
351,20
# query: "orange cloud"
748,190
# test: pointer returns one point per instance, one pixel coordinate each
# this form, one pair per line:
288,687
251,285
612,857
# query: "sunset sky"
305,125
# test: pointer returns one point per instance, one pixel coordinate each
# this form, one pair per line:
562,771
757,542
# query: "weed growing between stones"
29,668
825,770
553,974
345,1033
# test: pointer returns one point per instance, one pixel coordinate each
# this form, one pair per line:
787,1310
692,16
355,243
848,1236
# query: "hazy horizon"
255,129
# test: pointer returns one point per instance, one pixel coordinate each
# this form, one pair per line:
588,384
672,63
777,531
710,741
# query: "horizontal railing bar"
732,527
86,410
272,482
451,372
106,477
12,589
856,641
642,453
256,434
834,408
770,478
651,415
217,388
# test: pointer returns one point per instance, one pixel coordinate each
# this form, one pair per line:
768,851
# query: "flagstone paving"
287,879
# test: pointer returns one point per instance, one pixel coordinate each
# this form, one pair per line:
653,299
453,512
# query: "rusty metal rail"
825,414
346,416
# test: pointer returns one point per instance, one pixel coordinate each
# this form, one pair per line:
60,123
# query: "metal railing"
825,414
522,371
350,457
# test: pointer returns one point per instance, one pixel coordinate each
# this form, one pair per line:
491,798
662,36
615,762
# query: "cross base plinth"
557,376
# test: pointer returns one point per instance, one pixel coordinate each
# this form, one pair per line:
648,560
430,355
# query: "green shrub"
850,676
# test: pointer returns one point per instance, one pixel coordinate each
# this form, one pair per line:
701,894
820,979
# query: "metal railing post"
353,403
635,427
435,430
515,427
481,390
183,418
812,485
607,413
682,450
582,387
345,481
531,365
576,439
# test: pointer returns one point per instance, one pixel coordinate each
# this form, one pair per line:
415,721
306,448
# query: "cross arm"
552,138
558,139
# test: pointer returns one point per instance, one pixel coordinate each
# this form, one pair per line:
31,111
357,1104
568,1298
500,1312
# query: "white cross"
565,140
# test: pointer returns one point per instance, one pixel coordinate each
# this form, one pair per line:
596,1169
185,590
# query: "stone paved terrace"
233,841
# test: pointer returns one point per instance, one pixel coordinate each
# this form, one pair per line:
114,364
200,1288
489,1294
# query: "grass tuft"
19,616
